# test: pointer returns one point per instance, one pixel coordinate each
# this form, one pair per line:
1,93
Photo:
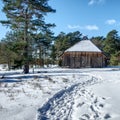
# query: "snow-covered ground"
60,94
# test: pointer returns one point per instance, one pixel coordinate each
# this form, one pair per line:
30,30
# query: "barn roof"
84,46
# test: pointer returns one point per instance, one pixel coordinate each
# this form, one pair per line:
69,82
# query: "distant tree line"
45,48
110,45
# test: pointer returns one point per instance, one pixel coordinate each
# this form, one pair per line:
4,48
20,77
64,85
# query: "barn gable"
83,54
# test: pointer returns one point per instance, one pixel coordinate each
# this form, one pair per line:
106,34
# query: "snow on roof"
83,46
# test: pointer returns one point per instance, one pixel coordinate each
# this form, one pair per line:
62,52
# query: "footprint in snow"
80,104
107,116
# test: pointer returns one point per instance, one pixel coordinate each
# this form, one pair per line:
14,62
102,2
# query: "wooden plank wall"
83,59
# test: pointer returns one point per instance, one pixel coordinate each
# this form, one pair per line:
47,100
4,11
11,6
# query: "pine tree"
27,16
98,41
111,43
112,46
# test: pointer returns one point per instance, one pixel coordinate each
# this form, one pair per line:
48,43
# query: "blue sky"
90,17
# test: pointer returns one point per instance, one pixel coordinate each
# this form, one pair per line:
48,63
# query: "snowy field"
60,94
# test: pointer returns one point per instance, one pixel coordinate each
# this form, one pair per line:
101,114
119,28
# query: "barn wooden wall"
83,59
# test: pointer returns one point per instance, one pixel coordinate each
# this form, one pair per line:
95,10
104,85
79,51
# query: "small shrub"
65,80
114,60
6,85
23,90
37,85
36,77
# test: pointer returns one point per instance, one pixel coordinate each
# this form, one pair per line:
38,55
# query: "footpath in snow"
74,103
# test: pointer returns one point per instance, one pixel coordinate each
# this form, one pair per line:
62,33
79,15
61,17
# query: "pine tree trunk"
26,51
26,68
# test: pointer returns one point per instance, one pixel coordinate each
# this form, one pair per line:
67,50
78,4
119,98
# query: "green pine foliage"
112,47
98,41
27,16
64,41
111,43
115,59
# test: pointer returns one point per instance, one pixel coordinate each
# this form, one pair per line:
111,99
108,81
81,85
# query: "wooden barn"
83,54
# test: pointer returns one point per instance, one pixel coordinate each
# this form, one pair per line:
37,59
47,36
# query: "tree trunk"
26,51
26,68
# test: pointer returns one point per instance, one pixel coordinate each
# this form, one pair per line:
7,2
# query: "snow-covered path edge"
65,104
